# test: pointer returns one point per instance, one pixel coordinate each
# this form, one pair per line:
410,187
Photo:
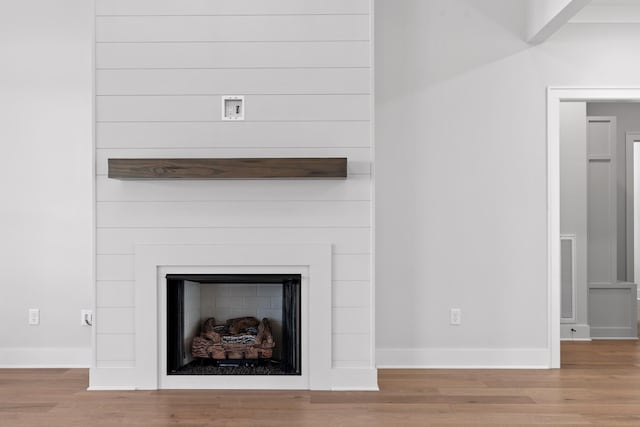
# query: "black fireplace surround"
290,346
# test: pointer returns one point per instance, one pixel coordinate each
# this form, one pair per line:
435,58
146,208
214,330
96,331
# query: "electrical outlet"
86,317
34,316
455,317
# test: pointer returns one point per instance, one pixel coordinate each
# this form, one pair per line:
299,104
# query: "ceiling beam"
545,17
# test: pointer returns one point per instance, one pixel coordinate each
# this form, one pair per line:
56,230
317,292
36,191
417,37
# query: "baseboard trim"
45,358
110,379
463,358
582,333
111,388
614,338
354,379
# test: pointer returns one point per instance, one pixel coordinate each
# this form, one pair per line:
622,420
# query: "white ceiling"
609,11
615,2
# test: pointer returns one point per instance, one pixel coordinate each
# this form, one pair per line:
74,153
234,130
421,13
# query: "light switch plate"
34,316
233,107
455,317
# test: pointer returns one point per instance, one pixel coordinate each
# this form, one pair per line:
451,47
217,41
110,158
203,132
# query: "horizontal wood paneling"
351,347
115,320
304,68
233,214
257,108
351,294
355,365
347,267
123,241
235,7
116,363
357,187
255,135
232,81
231,28
359,159
112,347
233,55
351,320
115,294
350,267
115,267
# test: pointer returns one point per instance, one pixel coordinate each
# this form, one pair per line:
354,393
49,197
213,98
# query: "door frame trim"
631,138
556,95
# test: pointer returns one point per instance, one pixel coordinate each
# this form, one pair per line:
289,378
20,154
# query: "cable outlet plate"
233,107
86,317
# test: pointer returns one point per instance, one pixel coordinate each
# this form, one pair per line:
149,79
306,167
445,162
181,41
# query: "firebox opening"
233,324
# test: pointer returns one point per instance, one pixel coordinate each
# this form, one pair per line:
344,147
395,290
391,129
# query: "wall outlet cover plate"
233,107
34,316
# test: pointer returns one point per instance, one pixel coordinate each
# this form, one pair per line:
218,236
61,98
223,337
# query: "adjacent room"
597,220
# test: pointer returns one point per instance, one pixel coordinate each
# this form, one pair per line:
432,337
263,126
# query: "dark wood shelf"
219,168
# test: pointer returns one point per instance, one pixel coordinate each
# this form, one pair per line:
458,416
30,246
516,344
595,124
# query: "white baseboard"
45,358
615,339
582,333
354,379
463,358
111,388
109,379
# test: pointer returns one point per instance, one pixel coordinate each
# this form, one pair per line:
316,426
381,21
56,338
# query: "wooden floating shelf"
220,168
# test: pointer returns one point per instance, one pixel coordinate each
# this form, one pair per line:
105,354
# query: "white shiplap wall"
304,67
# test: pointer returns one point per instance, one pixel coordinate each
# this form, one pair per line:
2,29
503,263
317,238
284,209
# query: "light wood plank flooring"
598,385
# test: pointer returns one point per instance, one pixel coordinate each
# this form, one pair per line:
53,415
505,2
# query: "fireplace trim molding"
239,382
153,260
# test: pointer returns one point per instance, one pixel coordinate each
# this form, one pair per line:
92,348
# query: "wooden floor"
598,385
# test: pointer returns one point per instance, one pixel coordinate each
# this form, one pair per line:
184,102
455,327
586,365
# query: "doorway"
555,248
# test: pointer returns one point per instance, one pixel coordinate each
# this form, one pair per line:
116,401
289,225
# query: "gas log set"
245,339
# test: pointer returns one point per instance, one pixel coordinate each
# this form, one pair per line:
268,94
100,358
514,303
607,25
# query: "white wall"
461,174
304,68
45,180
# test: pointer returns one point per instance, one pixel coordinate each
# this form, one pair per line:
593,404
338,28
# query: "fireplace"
319,332
309,266
233,324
